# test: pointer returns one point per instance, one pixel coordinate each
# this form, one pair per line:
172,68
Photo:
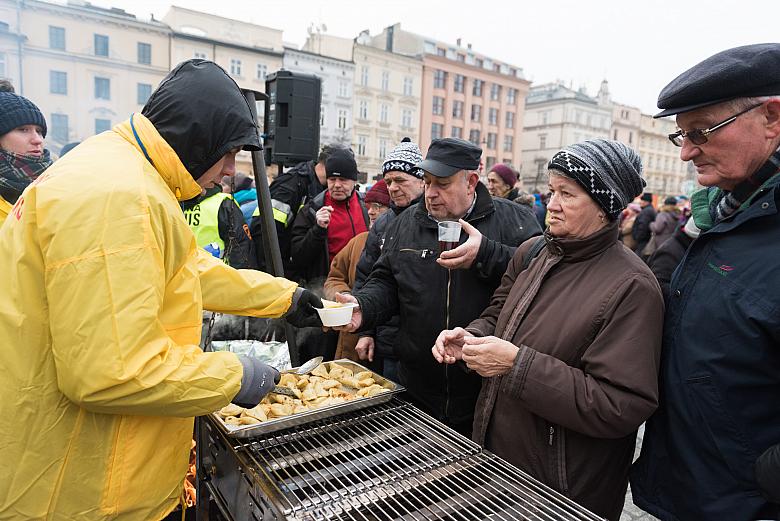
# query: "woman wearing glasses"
569,347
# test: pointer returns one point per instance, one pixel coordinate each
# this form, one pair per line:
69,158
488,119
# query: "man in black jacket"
432,290
641,231
289,192
405,185
218,224
667,257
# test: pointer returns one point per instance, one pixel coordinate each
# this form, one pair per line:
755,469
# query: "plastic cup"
449,235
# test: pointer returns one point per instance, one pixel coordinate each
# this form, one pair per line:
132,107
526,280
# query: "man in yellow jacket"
100,312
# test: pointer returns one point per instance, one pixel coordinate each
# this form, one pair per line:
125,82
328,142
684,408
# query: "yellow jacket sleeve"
242,292
120,295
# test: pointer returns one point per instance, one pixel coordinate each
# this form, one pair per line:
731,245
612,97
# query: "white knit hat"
404,158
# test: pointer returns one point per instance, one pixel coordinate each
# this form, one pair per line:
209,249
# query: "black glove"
301,312
257,381
768,473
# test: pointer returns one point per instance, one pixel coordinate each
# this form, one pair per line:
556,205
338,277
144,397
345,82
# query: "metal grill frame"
389,462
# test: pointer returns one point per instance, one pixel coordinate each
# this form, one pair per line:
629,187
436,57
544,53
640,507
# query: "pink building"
466,95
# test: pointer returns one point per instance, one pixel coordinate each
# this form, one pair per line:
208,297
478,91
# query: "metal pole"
270,240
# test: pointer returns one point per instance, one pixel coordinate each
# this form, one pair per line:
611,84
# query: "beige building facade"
664,171
465,94
386,104
557,116
626,122
386,97
87,68
246,51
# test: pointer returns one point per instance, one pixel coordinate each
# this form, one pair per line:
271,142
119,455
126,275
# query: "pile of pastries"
328,384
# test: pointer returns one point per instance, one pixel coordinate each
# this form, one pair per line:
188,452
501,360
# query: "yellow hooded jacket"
100,317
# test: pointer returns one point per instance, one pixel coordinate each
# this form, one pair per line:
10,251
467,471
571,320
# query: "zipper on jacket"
351,222
551,436
446,366
423,253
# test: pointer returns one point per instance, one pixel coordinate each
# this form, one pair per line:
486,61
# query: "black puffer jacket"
667,257
289,192
385,336
406,280
232,229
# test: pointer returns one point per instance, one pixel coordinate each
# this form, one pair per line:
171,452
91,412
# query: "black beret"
741,72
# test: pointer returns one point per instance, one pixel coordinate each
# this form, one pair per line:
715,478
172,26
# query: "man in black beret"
431,289
711,449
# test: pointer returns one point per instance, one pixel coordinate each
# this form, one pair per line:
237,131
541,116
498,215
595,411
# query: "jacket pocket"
556,457
148,463
728,440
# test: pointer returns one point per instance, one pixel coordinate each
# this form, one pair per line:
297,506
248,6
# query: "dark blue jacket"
720,374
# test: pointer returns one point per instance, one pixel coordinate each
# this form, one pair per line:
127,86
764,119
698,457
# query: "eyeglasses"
698,136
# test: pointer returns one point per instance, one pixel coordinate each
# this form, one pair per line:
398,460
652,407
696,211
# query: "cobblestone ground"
632,512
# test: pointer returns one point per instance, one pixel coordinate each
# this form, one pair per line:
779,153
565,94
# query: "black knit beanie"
16,111
609,170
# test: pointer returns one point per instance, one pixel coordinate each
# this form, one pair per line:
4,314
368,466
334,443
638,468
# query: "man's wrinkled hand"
303,312
323,216
357,315
464,255
449,344
365,348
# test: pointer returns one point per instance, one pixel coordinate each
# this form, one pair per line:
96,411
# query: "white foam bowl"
337,316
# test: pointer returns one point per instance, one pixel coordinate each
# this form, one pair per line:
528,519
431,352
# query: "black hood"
201,113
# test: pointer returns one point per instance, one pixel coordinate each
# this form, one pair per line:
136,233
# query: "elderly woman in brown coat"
569,347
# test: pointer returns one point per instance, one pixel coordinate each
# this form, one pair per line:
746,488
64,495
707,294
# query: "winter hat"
16,110
647,196
608,170
670,200
403,158
341,163
378,194
505,173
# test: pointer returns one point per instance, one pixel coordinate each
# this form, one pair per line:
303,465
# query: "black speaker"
292,117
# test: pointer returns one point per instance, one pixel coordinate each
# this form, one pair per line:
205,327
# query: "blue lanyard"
140,143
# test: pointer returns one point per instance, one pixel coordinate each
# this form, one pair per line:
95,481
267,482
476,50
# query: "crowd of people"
548,332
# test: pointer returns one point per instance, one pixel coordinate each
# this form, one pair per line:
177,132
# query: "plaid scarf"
18,170
710,206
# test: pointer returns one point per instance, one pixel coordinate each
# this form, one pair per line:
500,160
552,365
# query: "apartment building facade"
386,97
86,67
664,171
337,77
386,104
465,94
557,116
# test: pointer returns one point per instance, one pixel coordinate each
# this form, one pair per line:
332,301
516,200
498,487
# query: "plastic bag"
275,354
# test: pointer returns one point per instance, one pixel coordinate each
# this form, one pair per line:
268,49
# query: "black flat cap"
751,70
450,155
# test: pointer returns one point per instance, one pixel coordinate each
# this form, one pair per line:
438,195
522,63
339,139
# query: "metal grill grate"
395,462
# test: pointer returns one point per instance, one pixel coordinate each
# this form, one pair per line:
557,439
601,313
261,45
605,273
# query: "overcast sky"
638,46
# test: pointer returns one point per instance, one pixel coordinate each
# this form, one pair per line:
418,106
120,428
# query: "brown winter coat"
625,233
341,279
587,315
